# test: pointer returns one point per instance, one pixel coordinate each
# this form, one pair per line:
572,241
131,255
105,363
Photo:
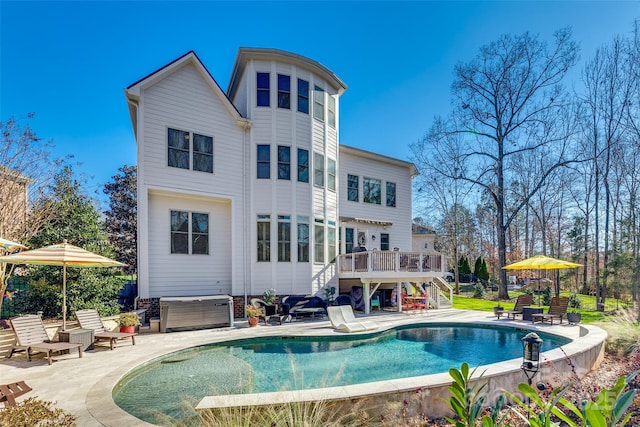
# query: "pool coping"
111,414
83,387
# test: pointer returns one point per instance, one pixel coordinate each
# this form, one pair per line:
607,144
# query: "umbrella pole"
64,297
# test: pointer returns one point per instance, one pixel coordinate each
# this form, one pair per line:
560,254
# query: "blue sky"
69,62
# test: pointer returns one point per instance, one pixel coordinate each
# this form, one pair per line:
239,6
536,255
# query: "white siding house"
247,190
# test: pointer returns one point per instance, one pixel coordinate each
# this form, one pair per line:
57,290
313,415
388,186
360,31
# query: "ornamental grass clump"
624,332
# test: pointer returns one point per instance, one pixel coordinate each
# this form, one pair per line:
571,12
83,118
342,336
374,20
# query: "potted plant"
574,316
253,315
128,322
498,310
269,296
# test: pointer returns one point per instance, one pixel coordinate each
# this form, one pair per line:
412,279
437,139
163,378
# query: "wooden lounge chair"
557,310
343,319
522,301
90,319
9,392
31,335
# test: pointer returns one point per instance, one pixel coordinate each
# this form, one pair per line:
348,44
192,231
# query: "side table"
78,336
527,312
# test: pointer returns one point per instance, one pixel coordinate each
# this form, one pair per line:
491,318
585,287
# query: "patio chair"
349,323
31,335
523,300
350,317
90,319
557,310
9,392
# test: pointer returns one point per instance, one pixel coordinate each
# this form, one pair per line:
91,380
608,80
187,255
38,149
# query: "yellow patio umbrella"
63,254
541,262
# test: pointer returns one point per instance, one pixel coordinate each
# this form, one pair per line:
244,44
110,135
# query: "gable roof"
246,54
379,157
132,92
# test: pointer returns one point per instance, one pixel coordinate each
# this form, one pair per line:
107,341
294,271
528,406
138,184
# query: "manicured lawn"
589,314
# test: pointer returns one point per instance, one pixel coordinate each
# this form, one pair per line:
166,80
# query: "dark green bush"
478,290
546,296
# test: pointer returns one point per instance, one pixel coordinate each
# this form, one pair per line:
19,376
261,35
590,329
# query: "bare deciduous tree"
507,101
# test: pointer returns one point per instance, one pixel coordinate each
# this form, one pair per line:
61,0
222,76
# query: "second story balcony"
392,265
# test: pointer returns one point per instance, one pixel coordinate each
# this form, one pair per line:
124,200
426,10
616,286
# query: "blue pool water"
161,387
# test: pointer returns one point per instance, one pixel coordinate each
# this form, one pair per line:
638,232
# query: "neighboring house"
423,239
14,194
248,190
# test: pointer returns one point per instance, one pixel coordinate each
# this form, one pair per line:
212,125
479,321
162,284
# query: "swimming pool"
293,363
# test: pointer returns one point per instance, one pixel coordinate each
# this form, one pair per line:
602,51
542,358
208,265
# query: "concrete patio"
84,386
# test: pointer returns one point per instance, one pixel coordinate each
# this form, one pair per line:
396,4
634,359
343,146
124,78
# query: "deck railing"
389,261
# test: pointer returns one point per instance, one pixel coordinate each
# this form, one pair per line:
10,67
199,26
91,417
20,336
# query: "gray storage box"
184,313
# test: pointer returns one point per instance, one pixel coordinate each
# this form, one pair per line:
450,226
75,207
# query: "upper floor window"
318,169
303,165
391,194
264,161
371,191
331,111
263,93
182,228
303,96
182,154
318,103
284,162
352,187
264,238
331,174
284,91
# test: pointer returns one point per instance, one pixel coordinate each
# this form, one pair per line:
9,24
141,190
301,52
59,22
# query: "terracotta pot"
128,329
253,321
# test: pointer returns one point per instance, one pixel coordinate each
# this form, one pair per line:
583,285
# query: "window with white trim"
303,238
284,91
284,162
284,238
318,241
318,169
348,239
189,233
331,111
331,240
264,161
318,103
352,187
264,238
391,194
184,155
303,165
371,191
384,241
303,96
263,92
331,174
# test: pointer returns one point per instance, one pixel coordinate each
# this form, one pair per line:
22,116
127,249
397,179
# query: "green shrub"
575,301
478,290
546,296
89,290
33,412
